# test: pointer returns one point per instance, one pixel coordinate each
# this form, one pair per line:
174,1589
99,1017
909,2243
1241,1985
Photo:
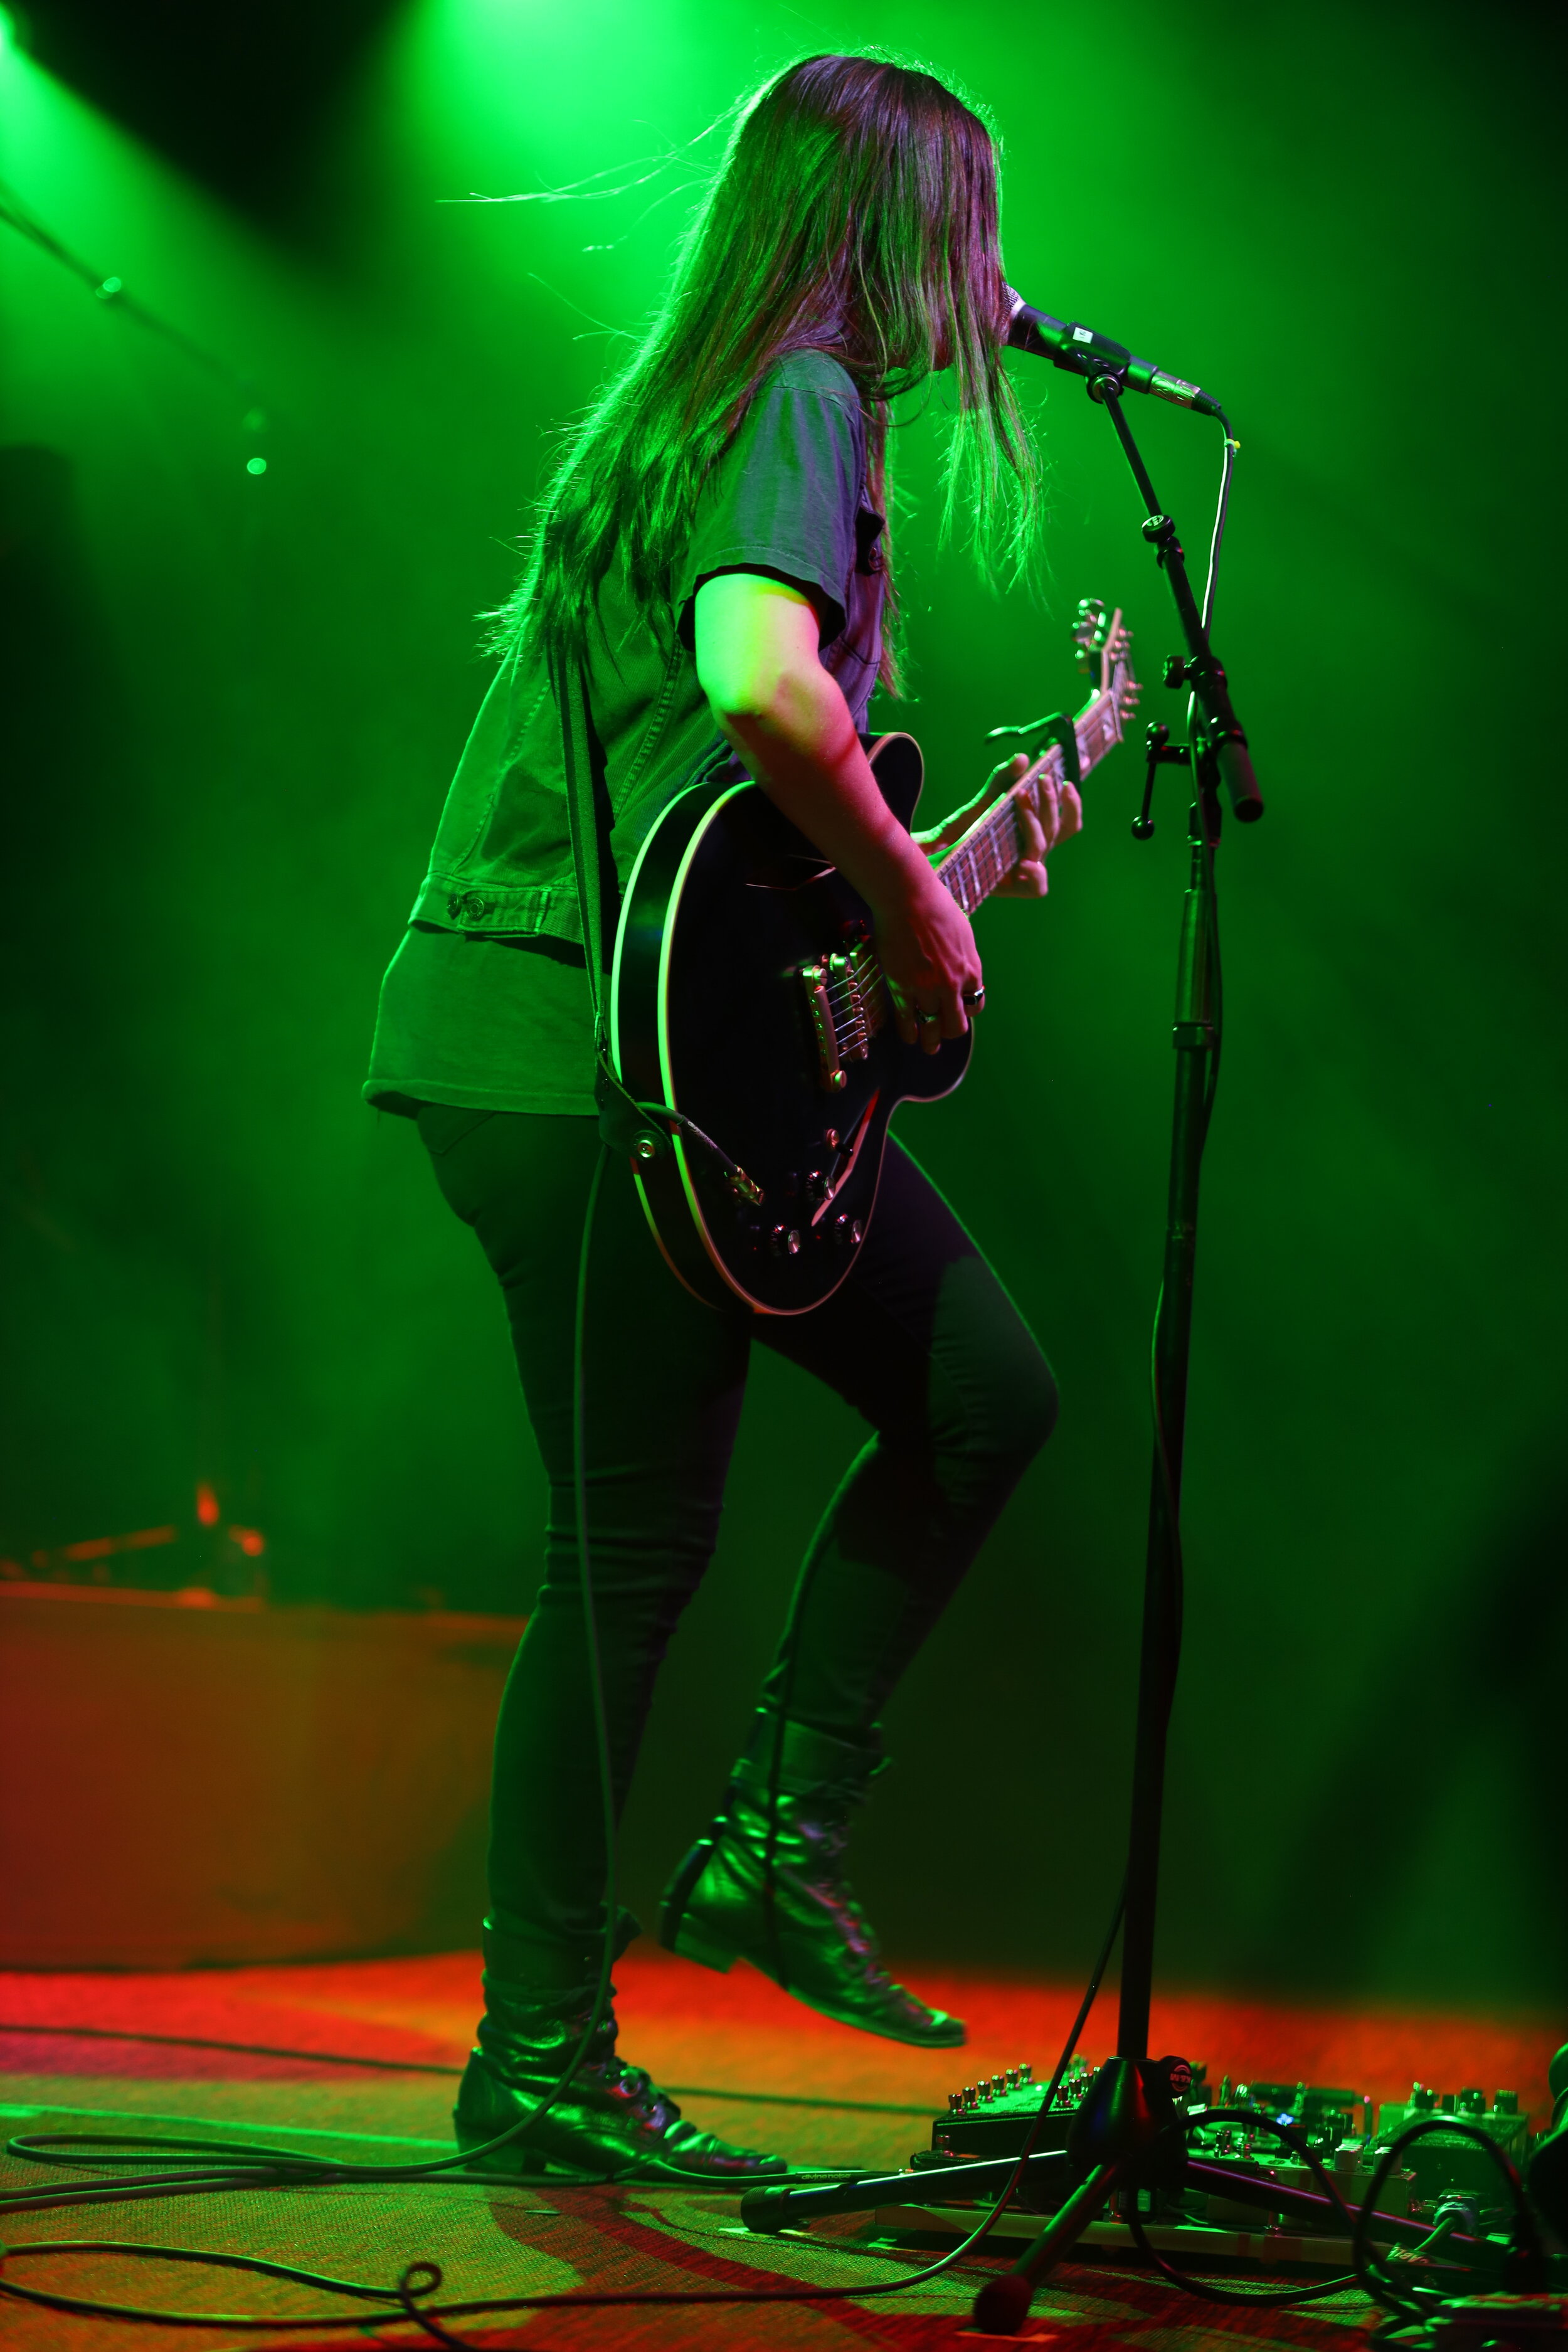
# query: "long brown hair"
855,213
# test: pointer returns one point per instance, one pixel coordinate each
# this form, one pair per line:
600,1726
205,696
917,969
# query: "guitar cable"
225,2166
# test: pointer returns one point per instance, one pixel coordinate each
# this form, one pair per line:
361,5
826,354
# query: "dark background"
235,700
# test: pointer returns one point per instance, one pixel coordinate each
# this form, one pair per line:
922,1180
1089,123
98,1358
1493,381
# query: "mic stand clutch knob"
1160,749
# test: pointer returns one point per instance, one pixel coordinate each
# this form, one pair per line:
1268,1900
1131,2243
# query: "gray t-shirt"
486,1003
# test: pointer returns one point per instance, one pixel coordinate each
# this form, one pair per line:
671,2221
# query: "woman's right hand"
925,944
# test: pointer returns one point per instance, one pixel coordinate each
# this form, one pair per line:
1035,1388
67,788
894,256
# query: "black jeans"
922,1339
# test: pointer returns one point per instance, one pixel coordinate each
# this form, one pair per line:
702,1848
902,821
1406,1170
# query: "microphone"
1085,353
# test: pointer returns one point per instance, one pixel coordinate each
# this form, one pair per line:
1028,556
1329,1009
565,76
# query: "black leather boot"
797,1921
610,2120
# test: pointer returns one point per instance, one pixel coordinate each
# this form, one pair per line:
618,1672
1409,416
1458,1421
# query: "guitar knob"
818,1187
784,1241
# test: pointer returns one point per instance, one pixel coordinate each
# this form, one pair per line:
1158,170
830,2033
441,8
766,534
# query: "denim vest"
791,500
501,861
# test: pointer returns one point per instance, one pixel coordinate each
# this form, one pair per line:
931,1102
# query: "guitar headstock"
1104,645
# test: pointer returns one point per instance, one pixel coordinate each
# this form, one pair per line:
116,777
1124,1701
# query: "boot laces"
636,2086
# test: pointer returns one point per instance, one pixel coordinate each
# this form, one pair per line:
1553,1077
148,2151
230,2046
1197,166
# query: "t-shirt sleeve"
782,499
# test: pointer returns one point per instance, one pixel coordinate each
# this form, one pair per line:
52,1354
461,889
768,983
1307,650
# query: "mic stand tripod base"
1002,2304
768,2210
1110,2139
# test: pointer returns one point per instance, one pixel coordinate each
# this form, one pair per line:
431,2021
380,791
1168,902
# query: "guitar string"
857,997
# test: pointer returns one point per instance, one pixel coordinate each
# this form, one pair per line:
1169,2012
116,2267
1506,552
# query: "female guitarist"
712,551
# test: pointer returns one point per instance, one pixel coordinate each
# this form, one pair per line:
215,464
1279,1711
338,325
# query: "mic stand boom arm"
1227,739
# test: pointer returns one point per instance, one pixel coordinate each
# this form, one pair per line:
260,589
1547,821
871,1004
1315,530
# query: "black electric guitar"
747,1000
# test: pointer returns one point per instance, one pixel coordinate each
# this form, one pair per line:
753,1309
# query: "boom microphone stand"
1130,2106
1126,2131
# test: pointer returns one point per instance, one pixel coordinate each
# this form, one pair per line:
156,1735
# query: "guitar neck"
988,852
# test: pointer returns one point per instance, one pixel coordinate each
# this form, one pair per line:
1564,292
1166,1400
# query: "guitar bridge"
844,975
814,979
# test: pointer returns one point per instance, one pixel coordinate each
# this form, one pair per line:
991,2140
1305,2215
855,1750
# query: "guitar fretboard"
856,990
988,852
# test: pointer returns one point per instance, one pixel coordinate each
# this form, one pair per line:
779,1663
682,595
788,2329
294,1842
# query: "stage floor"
746,2060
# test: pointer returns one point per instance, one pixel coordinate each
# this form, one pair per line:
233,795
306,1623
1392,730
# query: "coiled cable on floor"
424,2278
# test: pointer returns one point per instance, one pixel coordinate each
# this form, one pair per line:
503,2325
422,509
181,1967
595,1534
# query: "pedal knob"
955,2102
970,2097
986,2094
1026,2071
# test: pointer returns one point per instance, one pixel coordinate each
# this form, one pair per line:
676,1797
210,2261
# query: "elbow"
744,697
764,699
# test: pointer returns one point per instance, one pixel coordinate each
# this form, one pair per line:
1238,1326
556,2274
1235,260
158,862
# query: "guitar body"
746,998
750,1020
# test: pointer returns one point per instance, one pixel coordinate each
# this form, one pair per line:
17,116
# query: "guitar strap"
641,1132
622,1124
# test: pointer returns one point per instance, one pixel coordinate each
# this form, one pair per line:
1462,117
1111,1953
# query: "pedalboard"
999,2117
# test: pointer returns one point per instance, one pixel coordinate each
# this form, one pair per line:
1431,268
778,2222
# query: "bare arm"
757,662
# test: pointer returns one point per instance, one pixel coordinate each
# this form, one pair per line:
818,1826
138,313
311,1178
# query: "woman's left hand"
1058,816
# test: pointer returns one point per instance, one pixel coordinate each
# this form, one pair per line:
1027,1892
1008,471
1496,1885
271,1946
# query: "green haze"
240,699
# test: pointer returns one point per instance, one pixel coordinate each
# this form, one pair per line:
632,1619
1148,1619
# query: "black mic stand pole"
1128,2108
